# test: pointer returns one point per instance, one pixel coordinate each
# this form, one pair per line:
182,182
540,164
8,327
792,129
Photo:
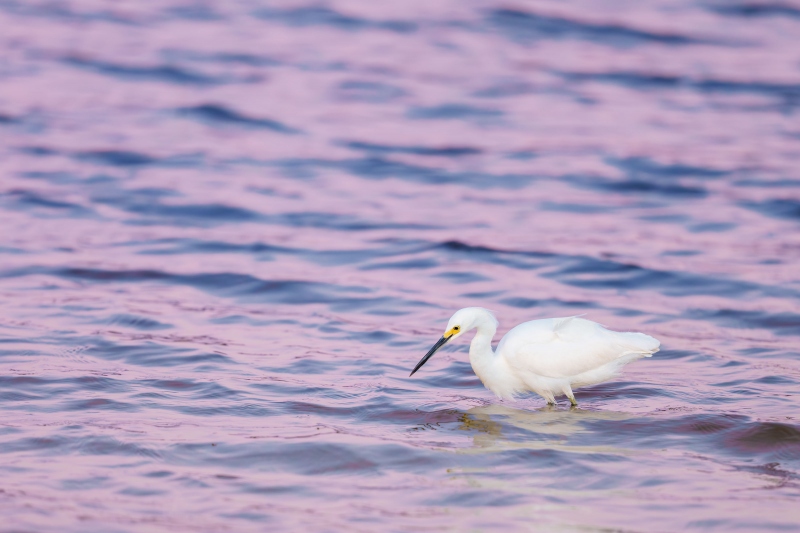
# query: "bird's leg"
570,395
549,398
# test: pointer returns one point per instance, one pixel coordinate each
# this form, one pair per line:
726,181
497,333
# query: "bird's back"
570,346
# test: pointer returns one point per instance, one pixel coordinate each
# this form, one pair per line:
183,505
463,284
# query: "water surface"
230,229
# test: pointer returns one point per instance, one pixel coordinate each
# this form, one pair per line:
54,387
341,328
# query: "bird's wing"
564,347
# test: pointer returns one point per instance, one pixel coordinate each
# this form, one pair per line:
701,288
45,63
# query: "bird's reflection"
499,427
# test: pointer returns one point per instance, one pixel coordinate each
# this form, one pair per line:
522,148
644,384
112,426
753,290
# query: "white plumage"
549,357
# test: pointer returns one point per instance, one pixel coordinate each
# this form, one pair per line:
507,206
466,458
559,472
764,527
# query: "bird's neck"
481,355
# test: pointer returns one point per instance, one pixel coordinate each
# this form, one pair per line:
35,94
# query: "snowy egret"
548,356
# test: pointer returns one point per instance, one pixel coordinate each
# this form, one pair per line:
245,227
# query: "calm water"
230,229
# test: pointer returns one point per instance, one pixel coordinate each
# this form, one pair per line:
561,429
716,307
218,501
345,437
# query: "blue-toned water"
230,230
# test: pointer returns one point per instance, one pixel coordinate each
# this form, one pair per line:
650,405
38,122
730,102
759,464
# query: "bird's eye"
455,328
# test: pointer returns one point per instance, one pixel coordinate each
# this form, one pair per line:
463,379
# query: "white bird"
548,356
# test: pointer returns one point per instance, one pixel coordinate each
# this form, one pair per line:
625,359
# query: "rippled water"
230,229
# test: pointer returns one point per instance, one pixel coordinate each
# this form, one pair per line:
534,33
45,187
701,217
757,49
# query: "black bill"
430,353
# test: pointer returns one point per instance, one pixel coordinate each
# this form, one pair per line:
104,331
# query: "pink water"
230,229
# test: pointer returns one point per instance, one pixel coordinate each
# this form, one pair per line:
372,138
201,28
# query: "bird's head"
466,319
462,321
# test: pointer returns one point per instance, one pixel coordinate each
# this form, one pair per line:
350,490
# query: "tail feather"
641,343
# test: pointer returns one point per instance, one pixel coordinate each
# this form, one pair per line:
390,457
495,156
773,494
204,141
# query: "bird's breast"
498,377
